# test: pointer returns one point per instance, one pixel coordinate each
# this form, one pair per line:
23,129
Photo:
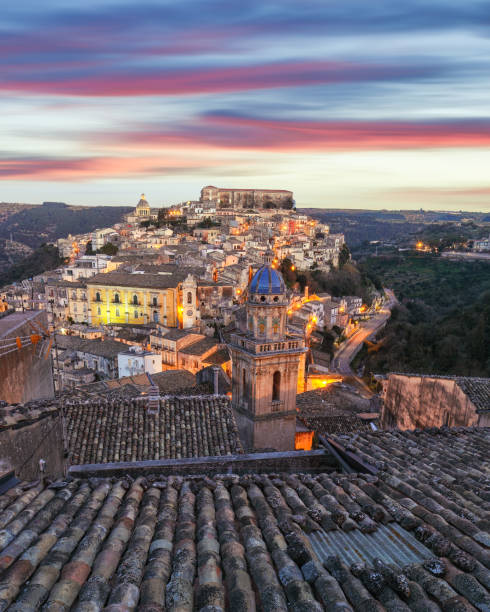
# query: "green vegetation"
347,280
46,257
53,220
442,325
108,249
207,223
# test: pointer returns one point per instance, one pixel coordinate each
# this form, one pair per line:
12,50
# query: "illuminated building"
246,198
265,365
122,297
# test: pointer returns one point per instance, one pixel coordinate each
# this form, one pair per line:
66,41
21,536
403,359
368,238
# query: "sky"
348,103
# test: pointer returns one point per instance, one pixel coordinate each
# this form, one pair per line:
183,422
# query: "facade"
78,303
190,314
265,361
138,361
142,212
121,297
247,198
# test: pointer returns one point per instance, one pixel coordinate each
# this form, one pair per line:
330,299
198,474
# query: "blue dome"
267,280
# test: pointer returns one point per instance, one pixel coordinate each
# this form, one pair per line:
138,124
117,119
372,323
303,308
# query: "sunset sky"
356,104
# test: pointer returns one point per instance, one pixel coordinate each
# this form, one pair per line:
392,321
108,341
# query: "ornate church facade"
265,361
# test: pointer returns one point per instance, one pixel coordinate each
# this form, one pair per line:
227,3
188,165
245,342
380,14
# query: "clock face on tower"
189,313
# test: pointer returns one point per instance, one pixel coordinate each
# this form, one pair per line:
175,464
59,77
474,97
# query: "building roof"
101,348
200,347
144,281
267,280
177,334
107,432
219,357
413,537
335,424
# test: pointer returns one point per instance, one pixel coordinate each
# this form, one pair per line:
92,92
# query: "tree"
108,249
344,255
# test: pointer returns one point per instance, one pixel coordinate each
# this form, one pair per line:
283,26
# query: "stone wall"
412,402
25,373
23,443
317,461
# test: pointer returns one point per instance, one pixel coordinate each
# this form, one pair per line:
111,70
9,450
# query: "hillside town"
165,288
176,433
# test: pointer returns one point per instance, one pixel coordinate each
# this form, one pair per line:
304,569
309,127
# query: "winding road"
348,350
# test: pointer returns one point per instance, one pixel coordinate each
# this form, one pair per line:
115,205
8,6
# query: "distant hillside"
39,224
45,257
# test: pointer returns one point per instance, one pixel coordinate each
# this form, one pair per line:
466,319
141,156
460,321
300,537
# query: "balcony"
255,347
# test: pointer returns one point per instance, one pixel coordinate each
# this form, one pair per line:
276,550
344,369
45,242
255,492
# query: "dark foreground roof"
415,537
122,430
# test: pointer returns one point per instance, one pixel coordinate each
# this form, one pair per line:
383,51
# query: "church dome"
143,203
267,281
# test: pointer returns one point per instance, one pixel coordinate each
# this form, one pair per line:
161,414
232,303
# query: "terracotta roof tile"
106,432
242,543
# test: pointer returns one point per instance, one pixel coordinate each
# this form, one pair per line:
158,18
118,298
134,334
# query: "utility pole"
58,377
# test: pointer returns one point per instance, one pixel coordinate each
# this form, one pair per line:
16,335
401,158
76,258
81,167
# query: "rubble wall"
21,448
24,374
412,402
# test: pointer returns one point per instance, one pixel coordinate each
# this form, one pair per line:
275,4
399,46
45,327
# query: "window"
189,297
116,298
98,310
276,386
117,312
135,314
244,384
135,299
155,301
97,298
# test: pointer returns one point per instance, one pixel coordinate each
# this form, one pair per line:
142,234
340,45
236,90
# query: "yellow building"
137,298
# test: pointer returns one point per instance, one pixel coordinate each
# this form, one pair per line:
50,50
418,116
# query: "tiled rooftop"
276,542
106,432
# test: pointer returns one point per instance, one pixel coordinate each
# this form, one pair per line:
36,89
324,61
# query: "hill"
36,225
442,325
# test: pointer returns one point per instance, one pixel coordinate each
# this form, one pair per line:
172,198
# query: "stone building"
247,198
417,401
265,365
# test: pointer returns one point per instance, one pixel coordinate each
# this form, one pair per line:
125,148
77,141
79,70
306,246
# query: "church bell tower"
265,365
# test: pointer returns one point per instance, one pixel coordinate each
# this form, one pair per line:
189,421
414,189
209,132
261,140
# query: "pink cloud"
208,80
229,132
95,167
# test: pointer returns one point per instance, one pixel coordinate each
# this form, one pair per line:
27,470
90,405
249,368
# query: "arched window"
189,297
116,298
135,299
97,298
276,386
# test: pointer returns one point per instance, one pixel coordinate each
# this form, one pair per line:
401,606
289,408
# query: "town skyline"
376,107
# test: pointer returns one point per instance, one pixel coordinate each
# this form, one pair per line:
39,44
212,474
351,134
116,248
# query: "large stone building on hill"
247,198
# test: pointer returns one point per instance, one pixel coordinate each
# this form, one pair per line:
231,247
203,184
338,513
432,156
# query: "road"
350,347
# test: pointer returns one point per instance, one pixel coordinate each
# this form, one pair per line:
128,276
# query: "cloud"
213,79
244,133
89,168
